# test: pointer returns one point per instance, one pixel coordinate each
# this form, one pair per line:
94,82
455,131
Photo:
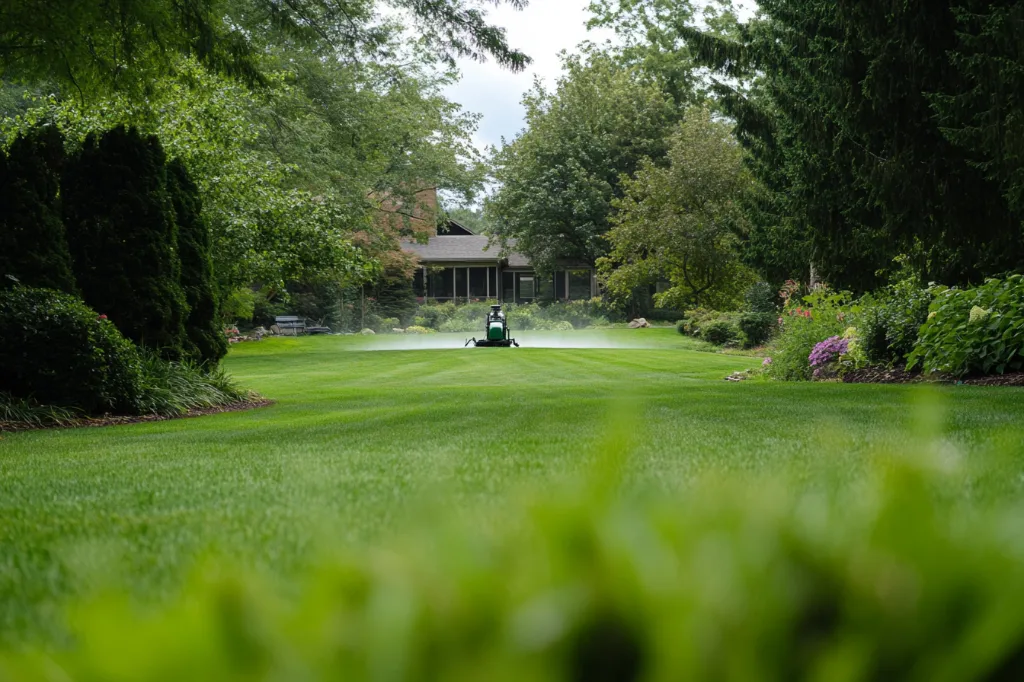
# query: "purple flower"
828,350
767,361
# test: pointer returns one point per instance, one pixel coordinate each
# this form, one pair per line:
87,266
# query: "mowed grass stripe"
358,440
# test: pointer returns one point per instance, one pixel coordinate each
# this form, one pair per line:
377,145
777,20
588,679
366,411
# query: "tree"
33,246
986,119
206,342
95,46
123,238
683,224
844,134
558,179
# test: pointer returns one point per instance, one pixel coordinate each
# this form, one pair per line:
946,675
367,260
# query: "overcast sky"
542,30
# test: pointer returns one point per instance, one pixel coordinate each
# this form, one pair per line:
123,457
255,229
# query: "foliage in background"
123,237
557,316
871,135
559,178
206,343
889,579
682,224
974,331
33,247
57,351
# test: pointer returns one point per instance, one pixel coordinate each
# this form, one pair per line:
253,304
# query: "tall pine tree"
33,248
206,342
855,155
123,237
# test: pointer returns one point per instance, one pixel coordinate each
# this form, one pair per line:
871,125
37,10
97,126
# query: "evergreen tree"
205,341
844,131
33,248
123,238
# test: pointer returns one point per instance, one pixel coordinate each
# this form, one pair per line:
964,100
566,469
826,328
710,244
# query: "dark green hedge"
58,351
33,249
123,238
206,342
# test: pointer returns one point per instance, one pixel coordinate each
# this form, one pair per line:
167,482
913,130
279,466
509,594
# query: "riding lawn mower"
496,332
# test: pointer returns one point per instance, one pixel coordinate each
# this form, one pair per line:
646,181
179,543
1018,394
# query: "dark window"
418,285
527,291
478,282
560,284
441,283
507,294
579,285
460,282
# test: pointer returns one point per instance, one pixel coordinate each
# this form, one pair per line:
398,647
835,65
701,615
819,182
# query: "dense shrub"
758,579
974,331
206,343
711,325
386,324
888,320
469,317
56,350
123,239
757,328
720,332
33,245
805,323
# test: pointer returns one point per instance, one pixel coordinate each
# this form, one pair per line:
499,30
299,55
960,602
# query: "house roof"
462,249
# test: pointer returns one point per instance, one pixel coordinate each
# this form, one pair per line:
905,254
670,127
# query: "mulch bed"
886,375
114,420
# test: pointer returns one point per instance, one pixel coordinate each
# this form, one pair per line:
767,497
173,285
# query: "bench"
290,324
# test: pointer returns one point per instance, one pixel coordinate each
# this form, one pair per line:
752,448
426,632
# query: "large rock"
639,323
367,332
396,330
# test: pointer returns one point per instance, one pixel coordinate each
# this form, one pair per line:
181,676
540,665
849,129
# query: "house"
462,266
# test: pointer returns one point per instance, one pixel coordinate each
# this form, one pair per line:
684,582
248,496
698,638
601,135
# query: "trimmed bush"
974,331
205,343
56,350
123,238
33,245
757,328
720,332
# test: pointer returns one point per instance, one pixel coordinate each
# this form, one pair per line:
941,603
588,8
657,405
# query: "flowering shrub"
973,331
805,322
825,357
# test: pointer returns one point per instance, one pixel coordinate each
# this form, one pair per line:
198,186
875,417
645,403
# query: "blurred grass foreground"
897,575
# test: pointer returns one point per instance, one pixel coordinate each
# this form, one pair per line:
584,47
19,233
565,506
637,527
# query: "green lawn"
360,440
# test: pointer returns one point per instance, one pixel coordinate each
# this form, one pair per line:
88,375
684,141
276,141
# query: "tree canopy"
683,224
558,179
879,130
102,45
